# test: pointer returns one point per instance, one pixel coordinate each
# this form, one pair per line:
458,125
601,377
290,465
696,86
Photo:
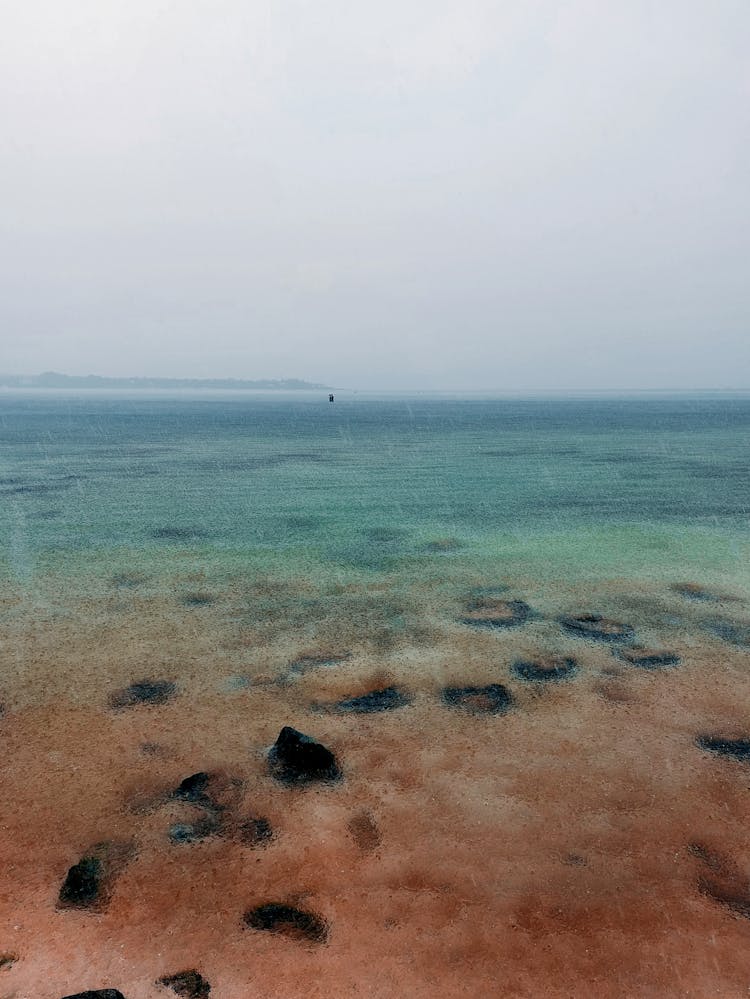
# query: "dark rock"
88,884
374,701
188,984
255,832
215,791
598,628
7,960
144,692
544,670
637,655
298,758
486,612
97,994
195,789
737,749
279,918
494,699
82,886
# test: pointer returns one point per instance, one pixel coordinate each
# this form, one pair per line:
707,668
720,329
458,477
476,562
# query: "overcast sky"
518,194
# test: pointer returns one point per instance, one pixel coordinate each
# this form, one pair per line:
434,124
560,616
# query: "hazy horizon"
512,197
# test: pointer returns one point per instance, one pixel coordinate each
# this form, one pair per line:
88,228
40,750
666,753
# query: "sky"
510,195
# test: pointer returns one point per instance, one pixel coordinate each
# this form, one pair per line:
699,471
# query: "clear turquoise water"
375,486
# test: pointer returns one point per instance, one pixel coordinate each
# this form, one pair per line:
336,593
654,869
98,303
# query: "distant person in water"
330,397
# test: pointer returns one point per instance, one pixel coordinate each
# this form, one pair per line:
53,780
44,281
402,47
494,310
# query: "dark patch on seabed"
187,984
364,830
276,917
598,628
178,533
255,832
193,832
645,658
321,660
695,591
152,692
254,464
489,612
373,702
736,749
197,599
722,880
729,631
545,670
492,699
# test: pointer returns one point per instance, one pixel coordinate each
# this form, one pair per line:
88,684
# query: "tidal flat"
387,697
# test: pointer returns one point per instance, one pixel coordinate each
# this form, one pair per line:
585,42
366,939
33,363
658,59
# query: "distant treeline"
51,379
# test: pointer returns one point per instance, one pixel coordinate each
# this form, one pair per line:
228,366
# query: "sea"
518,627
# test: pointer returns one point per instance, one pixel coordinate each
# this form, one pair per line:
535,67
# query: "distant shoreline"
54,380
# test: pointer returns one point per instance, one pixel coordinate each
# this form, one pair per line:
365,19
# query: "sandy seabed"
579,844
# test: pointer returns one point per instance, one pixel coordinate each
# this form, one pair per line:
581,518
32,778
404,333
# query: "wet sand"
579,843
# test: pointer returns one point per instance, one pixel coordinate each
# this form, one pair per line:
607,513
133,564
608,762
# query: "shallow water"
356,572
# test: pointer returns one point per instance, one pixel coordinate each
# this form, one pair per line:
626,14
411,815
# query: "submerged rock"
486,612
638,655
385,699
298,758
97,994
188,984
545,670
215,791
493,699
143,692
276,917
737,749
598,628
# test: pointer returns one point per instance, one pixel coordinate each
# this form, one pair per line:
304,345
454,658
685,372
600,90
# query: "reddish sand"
580,845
